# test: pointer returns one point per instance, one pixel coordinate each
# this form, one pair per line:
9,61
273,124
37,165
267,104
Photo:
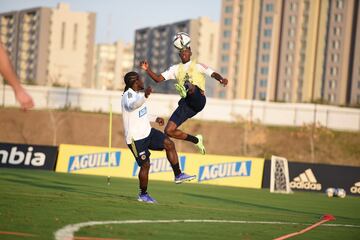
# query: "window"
338,17
293,6
75,36
63,26
269,7
358,99
222,94
264,70
358,84
227,21
336,44
288,71
332,84
337,31
262,96
226,46
340,4
291,45
291,32
225,58
227,33
228,9
263,83
266,45
265,57
292,19
223,70
335,57
289,58
286,97
268,20
333,71
267,32
331,97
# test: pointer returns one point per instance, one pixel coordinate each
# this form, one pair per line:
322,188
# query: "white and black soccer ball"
341,193
181,40
330,192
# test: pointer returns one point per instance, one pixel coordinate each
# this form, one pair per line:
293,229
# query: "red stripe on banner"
324,219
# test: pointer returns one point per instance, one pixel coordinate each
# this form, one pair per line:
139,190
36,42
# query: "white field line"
67,232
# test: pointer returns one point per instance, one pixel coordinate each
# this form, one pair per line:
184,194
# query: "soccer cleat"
182,177
181,90
200,144
146,198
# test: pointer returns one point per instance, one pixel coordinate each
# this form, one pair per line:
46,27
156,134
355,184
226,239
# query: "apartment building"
50,46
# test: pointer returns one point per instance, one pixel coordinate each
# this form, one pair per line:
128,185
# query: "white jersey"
172,71
135,116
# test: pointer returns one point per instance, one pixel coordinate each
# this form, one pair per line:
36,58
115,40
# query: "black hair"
129,79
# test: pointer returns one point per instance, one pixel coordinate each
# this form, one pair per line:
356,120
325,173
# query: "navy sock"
192,139
143,191
176,169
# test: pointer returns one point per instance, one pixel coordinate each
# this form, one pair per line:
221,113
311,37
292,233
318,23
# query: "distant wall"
268,113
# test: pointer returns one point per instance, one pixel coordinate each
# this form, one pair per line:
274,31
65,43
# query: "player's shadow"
241,203
59,186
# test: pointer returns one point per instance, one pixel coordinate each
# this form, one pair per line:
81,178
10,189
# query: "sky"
118,19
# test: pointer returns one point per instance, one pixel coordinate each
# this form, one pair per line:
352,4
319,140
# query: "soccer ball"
181,40
330,192
341,193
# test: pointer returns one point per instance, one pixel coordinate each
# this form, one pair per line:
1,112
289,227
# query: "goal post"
279,175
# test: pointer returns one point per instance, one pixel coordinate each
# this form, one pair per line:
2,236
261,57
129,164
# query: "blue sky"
118,19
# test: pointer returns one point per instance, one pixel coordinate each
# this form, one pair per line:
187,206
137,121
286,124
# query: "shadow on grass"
59,186
240,203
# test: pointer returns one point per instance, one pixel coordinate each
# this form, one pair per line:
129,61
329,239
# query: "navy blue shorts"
188,107
140,148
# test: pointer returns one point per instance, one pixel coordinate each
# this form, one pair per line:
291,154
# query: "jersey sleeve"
204,69
170,73
133,101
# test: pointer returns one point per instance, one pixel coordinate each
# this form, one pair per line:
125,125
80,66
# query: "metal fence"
268,113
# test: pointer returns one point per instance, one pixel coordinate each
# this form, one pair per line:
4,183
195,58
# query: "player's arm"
9,75
145,66
133,102
159,120
211,73
219,78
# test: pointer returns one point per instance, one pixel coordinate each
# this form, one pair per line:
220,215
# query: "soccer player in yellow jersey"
190,77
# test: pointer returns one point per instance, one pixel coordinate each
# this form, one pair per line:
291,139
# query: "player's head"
132,80
185,54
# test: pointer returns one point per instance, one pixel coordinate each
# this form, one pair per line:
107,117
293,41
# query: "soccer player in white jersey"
141,137
190,77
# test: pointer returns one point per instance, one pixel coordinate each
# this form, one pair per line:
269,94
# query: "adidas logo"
356,188
306,180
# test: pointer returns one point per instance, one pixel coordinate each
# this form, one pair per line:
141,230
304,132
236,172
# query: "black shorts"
188,107
140,148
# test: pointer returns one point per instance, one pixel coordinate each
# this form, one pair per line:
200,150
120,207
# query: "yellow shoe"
181,90
200,144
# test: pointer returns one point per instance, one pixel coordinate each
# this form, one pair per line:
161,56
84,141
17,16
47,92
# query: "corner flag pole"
110,135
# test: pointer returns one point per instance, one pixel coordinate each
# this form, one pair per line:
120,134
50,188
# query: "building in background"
292,51
111,63
155,45
50,46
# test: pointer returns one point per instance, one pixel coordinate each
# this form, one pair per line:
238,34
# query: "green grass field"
42,202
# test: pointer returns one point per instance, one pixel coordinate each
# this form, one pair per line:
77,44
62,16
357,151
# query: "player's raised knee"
168,144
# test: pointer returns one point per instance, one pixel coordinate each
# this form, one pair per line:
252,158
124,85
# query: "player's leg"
160,141
180,115
172,130
142,156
